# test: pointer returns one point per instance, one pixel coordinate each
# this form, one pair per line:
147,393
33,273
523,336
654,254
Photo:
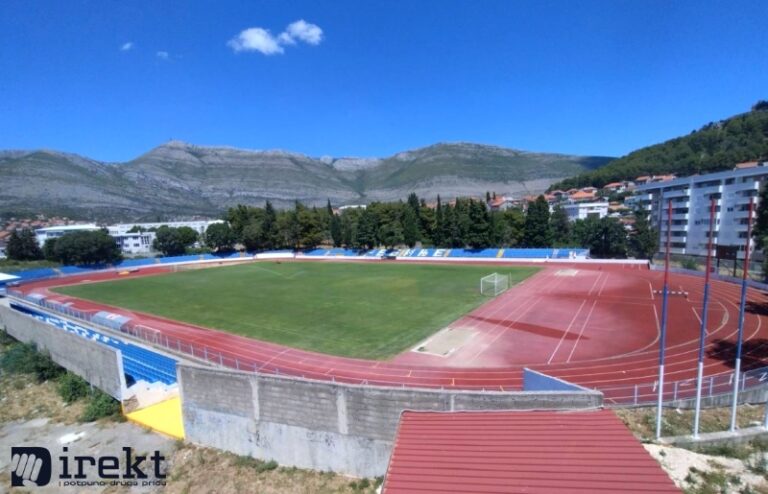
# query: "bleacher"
35,274
335,252
135,263
528,253
139,364
174,259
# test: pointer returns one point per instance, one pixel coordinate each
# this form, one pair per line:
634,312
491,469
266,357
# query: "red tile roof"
746,164
582,194
613,185
516,452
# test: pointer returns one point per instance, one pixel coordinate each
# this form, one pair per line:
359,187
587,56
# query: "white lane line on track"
583,326
599,274
605,281
696,314
562,338
650,287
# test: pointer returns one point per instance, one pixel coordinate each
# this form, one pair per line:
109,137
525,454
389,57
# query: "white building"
141,242
135,243
199,226
691,197
44,234
584,210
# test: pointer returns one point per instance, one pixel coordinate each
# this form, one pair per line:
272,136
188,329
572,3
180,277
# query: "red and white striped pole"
663,336
703,330
742,308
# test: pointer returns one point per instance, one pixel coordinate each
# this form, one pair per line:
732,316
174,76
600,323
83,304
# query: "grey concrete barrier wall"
323,425
98,364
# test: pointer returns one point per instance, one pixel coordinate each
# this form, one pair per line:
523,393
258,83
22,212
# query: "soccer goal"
494,284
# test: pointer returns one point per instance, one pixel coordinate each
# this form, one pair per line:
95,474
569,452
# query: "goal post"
494,284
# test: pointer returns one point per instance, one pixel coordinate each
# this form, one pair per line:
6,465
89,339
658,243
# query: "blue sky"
111,80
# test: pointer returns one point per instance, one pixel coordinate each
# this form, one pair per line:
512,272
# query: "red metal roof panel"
520,452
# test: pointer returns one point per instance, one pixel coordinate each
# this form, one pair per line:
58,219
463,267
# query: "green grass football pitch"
364,310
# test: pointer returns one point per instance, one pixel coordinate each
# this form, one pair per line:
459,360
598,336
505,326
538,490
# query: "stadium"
294,356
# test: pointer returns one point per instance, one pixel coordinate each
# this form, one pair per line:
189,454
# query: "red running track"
596,325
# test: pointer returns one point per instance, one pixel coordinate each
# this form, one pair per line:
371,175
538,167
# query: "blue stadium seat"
139,363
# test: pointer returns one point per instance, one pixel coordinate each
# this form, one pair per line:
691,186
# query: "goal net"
494,284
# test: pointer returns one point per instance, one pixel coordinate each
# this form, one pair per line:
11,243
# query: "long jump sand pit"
445,341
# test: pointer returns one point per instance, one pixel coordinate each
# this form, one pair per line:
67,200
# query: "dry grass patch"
677,422
191,466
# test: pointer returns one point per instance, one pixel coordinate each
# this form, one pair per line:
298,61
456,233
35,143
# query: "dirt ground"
739,469
33,414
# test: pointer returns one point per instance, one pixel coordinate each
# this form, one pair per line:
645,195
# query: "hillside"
716,146
183,179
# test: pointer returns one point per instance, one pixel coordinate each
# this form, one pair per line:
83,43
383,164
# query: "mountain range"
181,179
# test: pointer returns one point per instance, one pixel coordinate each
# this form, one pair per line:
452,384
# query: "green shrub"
72,387
100,405
689,263
5,338
23,358
18,359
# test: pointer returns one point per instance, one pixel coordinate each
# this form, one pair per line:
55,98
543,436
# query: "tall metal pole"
703,331
742,307
663,336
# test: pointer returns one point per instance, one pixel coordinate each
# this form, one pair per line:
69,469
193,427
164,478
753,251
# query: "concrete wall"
322,425
96,363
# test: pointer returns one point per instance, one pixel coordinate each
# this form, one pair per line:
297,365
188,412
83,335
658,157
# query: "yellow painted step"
164,417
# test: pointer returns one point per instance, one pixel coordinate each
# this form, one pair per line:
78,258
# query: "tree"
537,232
760,226
49,249
310,227
438,237
761,105
168,241
269,226
86,247
560,225
367,229
253,236
514,221
335,229
219,237
187,235
644,239
605,237
410,224
22,246
477,235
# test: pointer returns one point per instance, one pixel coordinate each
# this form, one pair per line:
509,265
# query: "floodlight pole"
742,307
663,335
703,331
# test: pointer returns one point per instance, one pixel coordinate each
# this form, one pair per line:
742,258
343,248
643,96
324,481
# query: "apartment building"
691,197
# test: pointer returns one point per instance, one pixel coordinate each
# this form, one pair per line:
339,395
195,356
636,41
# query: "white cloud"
261,40
162,55
128,46
256,39
304,31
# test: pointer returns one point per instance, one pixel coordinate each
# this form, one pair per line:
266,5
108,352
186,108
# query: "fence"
712,386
